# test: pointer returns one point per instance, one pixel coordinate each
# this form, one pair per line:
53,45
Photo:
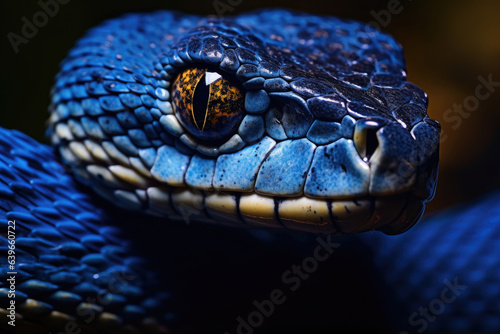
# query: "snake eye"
209,105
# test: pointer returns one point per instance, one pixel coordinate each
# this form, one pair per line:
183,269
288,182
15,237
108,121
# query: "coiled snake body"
270,119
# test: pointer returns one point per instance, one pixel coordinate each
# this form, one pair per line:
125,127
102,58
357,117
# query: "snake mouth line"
392,214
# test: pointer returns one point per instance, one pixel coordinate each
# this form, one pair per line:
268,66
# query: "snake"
271,127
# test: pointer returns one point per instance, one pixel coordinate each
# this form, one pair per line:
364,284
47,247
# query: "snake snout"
403,159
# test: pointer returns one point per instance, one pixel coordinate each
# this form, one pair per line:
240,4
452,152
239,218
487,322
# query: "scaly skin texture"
73,267
333,139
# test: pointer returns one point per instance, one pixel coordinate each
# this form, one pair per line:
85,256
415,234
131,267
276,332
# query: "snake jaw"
333,139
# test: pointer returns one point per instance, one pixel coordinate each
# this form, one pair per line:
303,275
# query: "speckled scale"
254,84
230,61
281,172
276,85
322,132
357,80
410,114
247,72
328,108
310,88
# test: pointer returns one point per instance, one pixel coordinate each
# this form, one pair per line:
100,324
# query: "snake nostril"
365,138
371,143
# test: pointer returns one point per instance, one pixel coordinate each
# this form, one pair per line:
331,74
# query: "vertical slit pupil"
201,96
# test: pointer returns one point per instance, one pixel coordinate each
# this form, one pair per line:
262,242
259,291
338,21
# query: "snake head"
309,125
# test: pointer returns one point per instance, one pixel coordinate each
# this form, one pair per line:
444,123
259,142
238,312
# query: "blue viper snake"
272,120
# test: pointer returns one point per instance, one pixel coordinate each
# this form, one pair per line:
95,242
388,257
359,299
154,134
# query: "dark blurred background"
448,44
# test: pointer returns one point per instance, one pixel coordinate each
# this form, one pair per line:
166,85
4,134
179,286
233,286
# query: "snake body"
332,140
